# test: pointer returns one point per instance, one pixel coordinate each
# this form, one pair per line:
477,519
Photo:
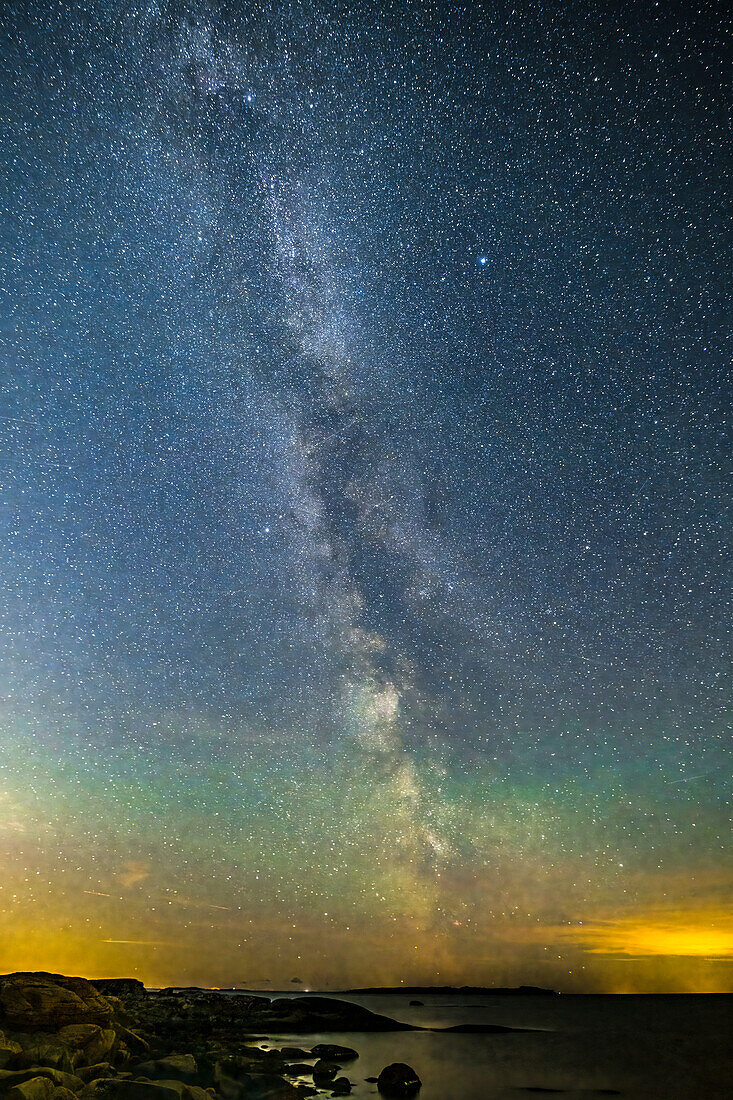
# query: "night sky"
363,469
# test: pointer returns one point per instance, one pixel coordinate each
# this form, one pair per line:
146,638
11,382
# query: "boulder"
91,1073
173,1065
295,1052
141,1088
9,1050
341,1086
299,1069
398,1079
60,1093
265,1086
43,1049
10,1078
324,1072
35,1088
89,1043
31,1001
333,1053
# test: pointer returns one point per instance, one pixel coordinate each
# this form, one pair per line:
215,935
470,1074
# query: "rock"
141,1088
371,1080
299,1069
295,1052
479,1029
341,1087
9,1050
61,1093
324,1072
10,1078
35,1088
88,1042
314,1014
334,1053
91,1073
417,1004
262,1086
119,987
132,1040
173,1065
40,1000
42,1049
398,1079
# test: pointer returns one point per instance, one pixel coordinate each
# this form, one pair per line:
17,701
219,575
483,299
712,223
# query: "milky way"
363,464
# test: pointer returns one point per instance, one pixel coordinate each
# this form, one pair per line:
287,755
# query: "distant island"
483,990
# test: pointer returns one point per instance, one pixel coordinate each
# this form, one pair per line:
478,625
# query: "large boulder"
142,1088
34,1001
324,1071
35,1088
10,1078
398,1079
173,1065
87,1043
265,1086
42,1049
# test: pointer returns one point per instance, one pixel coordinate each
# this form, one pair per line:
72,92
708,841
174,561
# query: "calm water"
645,1047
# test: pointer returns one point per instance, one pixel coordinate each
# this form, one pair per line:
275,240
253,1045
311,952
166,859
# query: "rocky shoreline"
63,1038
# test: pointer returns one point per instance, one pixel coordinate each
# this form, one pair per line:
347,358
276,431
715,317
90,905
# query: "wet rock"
341,1087
295,1052
398,1079
39,1000
299,1069
324,1072
60,1093
35,1088
333,1053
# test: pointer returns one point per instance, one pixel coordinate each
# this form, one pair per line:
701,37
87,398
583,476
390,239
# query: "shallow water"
644,1047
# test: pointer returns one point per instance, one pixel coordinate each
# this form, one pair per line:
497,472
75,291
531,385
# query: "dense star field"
362,470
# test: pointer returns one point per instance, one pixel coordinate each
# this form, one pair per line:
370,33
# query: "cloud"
681,933
133,872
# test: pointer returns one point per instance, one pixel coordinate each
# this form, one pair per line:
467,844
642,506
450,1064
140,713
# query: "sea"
676,1046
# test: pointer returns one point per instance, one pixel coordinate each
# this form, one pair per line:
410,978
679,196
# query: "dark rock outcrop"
31,1002
119,987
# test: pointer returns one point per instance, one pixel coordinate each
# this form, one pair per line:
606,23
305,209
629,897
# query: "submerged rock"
398,1079
341,1087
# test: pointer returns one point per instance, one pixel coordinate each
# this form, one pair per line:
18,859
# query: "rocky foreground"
66,1038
